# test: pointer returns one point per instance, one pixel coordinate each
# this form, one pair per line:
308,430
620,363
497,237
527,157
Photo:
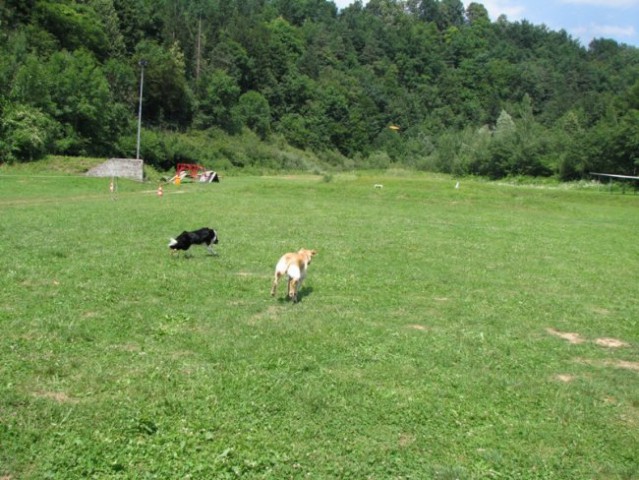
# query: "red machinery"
193,168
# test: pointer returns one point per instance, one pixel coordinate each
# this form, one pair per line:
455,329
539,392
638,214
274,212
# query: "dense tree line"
469,95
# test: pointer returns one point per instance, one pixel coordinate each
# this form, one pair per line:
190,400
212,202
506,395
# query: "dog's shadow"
305,291
190,256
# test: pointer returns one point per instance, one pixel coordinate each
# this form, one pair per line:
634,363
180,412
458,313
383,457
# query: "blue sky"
582,19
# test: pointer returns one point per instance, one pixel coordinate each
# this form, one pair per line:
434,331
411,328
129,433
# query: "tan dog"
294,265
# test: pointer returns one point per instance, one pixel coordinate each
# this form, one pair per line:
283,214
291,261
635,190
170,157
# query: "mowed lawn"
489,331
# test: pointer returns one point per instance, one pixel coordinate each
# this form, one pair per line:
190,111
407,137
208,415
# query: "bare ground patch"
576,338
625,364
570,337
406,439
610,342
244,273
271,311
564,377
59,397
127,347
600,311
416,326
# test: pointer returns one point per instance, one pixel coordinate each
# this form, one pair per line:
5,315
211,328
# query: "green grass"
426,343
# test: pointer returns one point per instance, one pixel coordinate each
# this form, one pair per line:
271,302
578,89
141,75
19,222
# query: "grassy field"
490,331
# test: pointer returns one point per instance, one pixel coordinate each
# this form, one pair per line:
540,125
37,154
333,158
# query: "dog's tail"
172,241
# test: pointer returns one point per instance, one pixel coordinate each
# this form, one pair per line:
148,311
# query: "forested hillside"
433,85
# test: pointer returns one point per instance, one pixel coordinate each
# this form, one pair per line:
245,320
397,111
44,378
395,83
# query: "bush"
26,133
379,160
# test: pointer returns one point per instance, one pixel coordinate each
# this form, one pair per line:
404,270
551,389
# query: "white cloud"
344,3
616,32
512,10
340,4
606,31
605,3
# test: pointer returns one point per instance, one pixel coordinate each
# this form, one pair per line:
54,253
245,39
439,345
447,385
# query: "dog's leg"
294,275
297,285
293,288
275,282
301,280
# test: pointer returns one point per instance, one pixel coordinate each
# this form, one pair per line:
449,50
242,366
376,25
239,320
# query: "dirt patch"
127,347
249,274
416,326
627,365
564,377
271,312
59,397
406,439
611,363
573,338
610,342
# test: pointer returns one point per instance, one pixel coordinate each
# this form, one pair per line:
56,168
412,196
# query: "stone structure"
119,167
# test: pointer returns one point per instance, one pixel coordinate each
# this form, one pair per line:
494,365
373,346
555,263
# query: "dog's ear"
313,252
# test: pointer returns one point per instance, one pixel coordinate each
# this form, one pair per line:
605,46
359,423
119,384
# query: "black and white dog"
203,236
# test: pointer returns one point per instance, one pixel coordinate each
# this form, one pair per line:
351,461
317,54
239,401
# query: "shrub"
26,133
